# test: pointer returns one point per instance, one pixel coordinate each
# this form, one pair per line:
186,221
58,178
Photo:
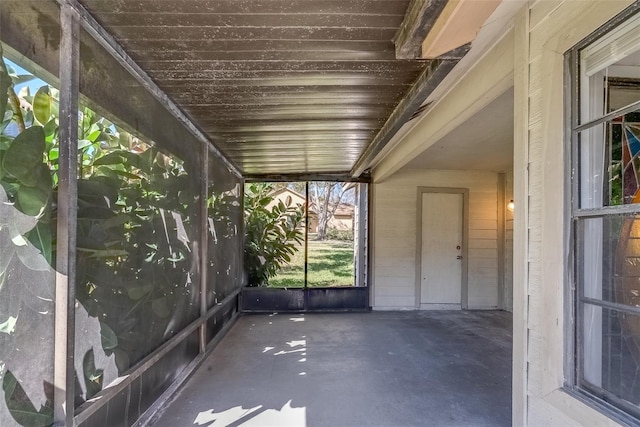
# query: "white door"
441,264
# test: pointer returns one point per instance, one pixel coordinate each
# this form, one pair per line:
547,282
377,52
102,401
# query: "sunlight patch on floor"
224,418
287,416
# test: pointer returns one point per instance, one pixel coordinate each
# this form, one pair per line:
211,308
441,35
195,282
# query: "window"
605,213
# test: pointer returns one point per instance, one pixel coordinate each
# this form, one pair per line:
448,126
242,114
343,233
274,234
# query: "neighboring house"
342,219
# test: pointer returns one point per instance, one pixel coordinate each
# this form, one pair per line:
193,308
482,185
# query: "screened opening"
304,234
331,249
120,249
29,147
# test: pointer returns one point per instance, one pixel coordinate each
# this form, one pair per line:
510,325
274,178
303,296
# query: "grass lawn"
330,264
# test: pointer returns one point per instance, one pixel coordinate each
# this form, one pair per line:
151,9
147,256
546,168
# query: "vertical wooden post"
64,342
204,242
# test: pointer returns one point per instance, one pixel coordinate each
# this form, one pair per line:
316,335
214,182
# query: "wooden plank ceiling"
280,86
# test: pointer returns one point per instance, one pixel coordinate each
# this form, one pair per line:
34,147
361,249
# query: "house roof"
279,191
282,86
343,209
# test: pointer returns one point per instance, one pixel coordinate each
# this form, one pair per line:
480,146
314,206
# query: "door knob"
459,257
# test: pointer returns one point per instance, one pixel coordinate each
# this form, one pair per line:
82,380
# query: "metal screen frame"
321,299
74,18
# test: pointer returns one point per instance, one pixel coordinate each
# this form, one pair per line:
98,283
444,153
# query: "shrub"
271,234
343,235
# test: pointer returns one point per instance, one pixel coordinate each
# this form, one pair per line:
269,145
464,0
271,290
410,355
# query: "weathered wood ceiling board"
281,86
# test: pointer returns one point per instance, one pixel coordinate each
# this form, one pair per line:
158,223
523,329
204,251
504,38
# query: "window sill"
610,413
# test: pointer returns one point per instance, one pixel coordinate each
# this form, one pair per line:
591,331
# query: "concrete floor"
366,369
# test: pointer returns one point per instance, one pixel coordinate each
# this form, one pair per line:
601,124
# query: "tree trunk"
325,206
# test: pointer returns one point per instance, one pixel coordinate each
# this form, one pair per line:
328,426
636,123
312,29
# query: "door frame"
464,285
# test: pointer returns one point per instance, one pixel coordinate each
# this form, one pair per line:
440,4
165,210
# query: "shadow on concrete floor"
366,369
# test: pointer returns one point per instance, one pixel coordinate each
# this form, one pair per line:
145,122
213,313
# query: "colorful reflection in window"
624,169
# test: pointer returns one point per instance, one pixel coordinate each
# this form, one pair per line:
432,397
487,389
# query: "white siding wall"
507,303
543,34
395,233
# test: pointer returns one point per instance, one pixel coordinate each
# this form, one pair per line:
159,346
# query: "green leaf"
93,136
5,84
108,337
5,142
2,171
95,190
40,237
122,360
20,406
127,174
122,157
8,115
138,291
24,154
114,158
42,105
51,130
265,201
93,377
55,101
54,154
32,200
160,308
84,143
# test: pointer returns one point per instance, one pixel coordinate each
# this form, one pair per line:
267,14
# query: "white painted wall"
507,297
395,232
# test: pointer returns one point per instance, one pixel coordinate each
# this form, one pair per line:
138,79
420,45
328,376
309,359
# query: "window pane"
29,148
622,91
609,258
609,271
610,72
609,168
611,355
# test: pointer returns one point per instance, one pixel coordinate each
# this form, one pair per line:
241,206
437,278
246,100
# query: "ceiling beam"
457,25
425,84
296,177
418,21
